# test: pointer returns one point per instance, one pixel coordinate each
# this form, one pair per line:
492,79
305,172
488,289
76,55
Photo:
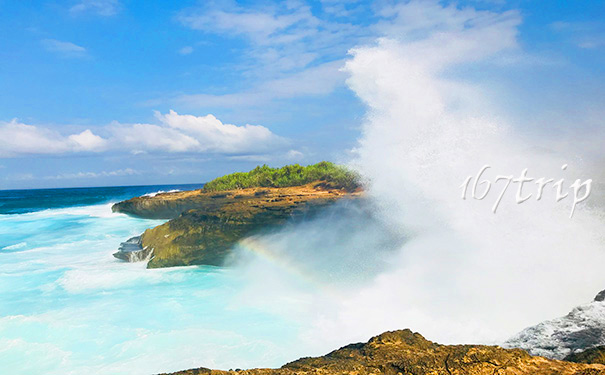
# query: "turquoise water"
68,307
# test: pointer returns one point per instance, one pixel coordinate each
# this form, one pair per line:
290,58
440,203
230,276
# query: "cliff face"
205,226
405,352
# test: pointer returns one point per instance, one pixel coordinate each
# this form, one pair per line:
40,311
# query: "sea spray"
463,274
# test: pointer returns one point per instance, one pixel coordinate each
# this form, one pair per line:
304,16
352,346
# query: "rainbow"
262,250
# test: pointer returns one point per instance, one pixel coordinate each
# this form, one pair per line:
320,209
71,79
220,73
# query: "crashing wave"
133,251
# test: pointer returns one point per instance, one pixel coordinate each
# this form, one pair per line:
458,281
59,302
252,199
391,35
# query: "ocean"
67,306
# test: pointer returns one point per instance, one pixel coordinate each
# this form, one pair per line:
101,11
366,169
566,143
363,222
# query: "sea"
67,306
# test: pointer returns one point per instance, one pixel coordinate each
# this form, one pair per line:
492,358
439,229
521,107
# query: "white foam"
115,276
160,192
99,210
16,246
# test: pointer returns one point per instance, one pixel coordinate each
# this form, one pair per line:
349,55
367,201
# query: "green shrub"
335,176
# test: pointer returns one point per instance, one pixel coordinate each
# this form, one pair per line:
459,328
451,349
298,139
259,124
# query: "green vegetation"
335,176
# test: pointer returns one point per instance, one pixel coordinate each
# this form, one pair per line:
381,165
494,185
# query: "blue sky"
118,92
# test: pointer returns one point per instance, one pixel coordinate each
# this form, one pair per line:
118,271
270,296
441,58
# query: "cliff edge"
204,226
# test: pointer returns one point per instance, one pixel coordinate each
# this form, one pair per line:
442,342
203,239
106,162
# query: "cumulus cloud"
18,139
141,138
99,7
174,133
63,49
87,141
213,135
187,133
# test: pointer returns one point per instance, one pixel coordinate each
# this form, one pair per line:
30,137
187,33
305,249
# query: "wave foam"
16,246
160,192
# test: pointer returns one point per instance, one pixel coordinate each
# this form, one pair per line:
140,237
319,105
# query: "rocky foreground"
404,352
204,226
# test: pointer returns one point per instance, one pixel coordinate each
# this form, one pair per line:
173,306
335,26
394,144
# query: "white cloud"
17,138
63,49
87,141
175,133
187,50
319,80
150,137
290,51
79,175
342,8
295,51
211,135
282,38
439,35
100,7
294,155
585,35
259,26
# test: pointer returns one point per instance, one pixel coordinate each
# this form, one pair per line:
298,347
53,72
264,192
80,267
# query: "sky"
119,92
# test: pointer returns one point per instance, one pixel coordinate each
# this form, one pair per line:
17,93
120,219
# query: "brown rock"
407,353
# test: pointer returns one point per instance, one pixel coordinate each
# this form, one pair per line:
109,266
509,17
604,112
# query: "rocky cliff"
204,226
583,328
404,352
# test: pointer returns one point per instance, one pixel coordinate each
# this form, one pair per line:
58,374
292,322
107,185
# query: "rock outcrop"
404,352
593,355
583,328
204,226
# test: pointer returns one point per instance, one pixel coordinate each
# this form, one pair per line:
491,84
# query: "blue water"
22,201
67,306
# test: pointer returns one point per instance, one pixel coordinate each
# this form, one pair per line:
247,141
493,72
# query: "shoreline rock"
204,226
406,352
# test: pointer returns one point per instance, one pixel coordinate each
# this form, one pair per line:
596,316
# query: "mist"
458,272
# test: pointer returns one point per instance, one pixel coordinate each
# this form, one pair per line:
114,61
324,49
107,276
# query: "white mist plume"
465,274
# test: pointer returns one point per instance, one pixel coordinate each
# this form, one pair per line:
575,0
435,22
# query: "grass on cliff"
335,176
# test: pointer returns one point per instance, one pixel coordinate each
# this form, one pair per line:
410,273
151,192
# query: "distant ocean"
23,201
67,306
